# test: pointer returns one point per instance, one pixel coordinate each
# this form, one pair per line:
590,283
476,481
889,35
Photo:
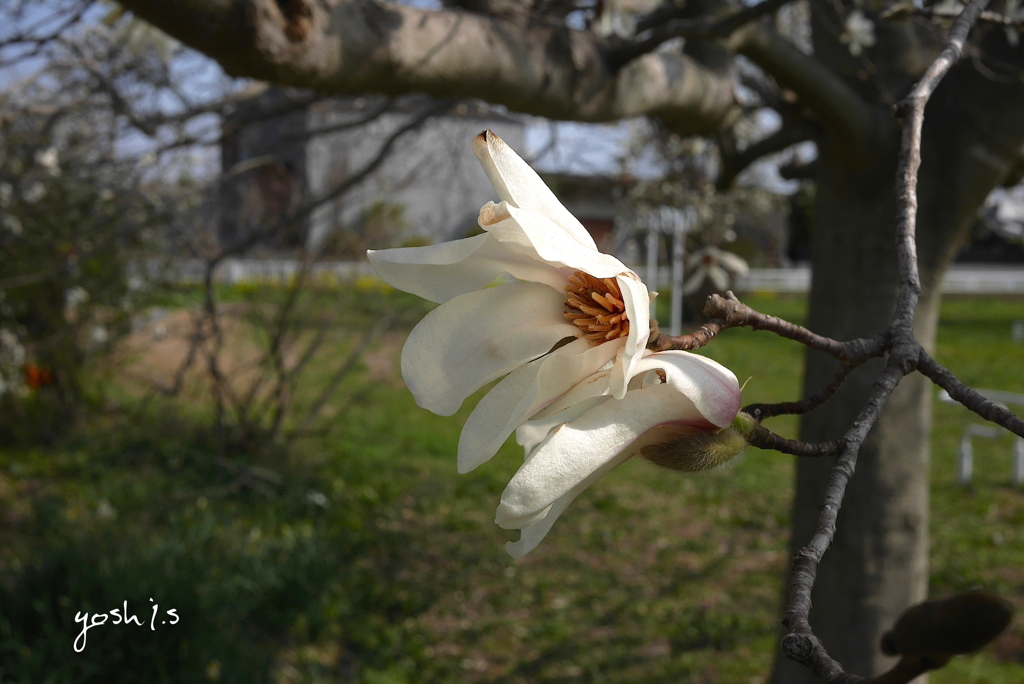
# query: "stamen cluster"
595,306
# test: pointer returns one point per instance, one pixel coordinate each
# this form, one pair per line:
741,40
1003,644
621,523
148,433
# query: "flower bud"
696,451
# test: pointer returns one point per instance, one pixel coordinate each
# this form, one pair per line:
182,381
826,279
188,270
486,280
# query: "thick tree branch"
360,46
734,164
839,108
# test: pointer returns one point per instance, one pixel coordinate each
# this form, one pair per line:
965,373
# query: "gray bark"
363,46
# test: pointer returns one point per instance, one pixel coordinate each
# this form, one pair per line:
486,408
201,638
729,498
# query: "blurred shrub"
70,221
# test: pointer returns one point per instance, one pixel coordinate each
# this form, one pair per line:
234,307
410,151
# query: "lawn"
364,557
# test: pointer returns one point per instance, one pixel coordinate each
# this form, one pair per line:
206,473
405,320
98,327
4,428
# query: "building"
281,159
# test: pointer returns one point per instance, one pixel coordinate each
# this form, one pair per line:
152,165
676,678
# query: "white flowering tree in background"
832,72
71,216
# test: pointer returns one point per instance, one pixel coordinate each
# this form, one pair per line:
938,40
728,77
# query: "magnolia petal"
733,262
595,385
532,535
710,386
695,281
697,392
521,394
441,272
534,233
474,338
637,301
532,432
518,184
571,453
719,277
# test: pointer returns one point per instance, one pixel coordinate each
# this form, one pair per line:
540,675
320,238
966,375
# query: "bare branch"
971,399
905,353
911,110
730,312
763,438
839,108
762,411
734,164
382,154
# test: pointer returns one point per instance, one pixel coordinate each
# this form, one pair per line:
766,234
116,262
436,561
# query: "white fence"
959,279
262,270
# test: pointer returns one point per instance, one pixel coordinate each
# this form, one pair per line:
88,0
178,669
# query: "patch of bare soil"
383,362
179,344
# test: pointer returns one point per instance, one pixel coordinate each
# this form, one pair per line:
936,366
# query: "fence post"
652,259
678,251
966,462
1018,461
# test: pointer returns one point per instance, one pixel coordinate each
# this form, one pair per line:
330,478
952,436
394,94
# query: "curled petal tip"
483,140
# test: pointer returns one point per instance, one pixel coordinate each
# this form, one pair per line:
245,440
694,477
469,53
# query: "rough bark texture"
359,46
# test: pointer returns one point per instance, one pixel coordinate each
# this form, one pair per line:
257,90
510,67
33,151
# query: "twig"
971,399
702,28
730,312
382,154
763,438
762,411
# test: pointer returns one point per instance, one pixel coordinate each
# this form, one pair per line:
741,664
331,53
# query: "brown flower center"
595,306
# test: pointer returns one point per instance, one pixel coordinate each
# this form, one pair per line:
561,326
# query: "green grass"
402,577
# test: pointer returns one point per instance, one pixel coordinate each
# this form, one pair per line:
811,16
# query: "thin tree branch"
730,312
837,106
763,438
762,411
970,398
787,136
382,154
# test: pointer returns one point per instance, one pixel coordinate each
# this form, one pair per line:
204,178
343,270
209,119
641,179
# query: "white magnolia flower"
858,32
585,434
48,160
715,264
34,193
99,335
74,297
569,312
11,224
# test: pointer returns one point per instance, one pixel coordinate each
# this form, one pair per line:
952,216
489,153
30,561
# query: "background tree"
547,59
